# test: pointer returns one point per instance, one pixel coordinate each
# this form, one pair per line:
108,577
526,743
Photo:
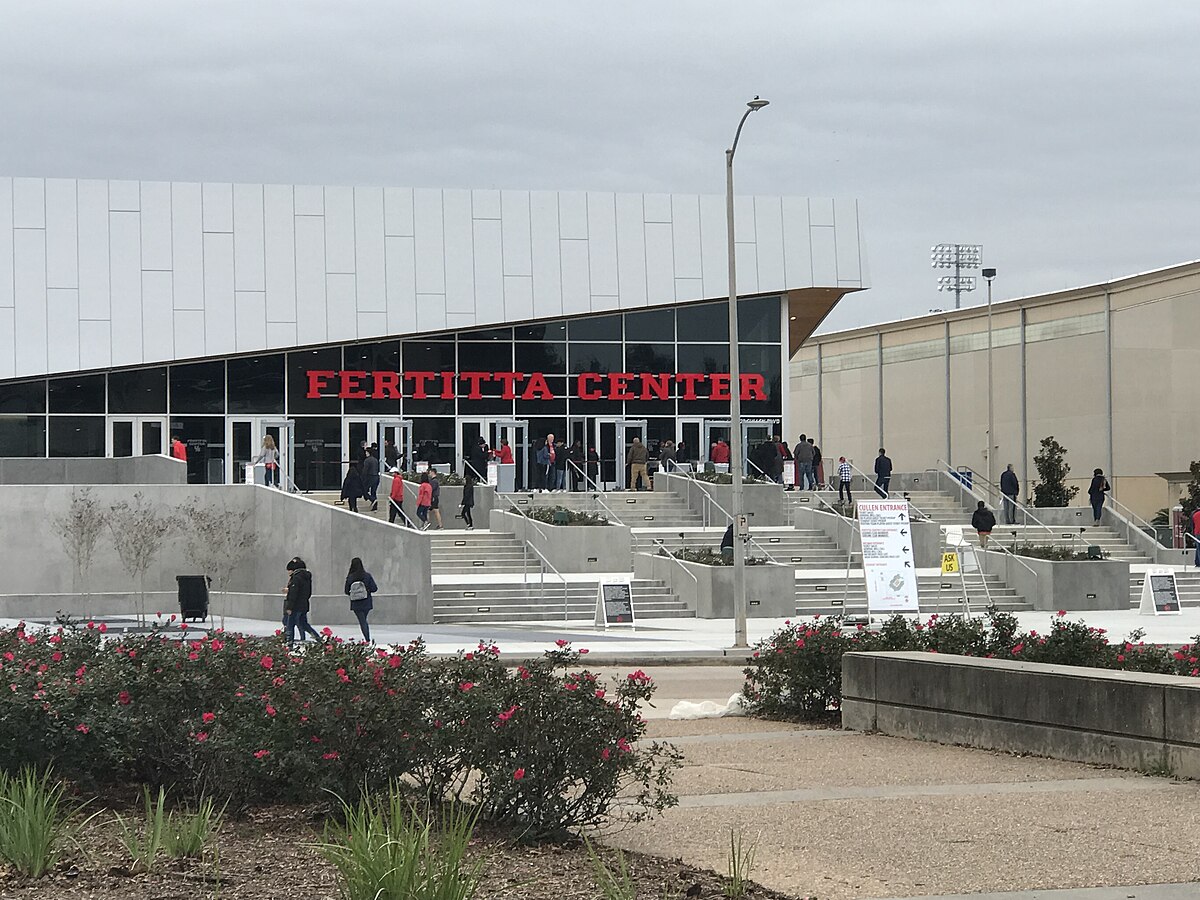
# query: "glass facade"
572,377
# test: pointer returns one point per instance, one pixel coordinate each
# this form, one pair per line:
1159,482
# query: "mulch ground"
267,855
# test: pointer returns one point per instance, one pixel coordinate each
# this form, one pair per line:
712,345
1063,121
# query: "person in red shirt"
504,454
1196,534
720,452
396,499
178,448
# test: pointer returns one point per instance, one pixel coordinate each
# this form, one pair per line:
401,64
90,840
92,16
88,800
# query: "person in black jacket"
1010,487
477,461
296,602
883,473
352,488
468,500
983,521
360,588
1096,491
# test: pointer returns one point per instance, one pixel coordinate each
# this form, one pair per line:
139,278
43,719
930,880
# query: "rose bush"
543,747
797,671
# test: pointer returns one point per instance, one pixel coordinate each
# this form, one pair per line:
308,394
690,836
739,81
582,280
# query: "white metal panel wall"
100,273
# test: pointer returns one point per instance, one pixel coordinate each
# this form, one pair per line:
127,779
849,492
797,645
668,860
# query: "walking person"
269,457
1010,487
352,488
593,469
883,473
983,520
468,501
360,586
435,498
577,459
803,456
667,456
477,460
561,454
545,463
845,473
297,601
1196,534
818,465
396,499
1096,491
370,476
424,500
636,459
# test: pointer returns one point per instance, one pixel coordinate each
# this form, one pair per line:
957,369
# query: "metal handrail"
1017,505
709,499
596,493
675,559
872,486
1135,518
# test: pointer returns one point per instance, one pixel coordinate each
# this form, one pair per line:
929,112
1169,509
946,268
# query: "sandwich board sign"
888,567
614,604
1160,594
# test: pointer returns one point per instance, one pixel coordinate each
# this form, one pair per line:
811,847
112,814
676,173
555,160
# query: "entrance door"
358,432
244,442
493,431
613,438
754,433
137,436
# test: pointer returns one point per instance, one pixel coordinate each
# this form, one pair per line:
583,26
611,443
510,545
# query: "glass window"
299,364
318,453
703,322
650,358
656,325
77,436
596,358
380,357
23,397
138,391
763,361
558,387
596,328
489,357
434,440
204,437
758,320
705,359
256,384
198,388
79,393
543,331
22,436
548,357
428,356
487,334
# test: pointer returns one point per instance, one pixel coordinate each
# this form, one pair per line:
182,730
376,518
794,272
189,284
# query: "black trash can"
193,596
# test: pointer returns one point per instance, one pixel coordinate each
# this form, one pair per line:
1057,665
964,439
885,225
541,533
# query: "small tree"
138,533
218,540
1052,468
1190,499
79,529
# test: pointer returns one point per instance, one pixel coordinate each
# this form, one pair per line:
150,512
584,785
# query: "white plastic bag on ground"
708,709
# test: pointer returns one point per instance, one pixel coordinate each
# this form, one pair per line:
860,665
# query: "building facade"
1105,369
329,316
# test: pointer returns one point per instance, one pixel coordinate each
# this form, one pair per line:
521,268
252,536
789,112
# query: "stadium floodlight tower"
957,257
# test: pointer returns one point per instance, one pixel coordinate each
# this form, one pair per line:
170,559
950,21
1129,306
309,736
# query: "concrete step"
496,603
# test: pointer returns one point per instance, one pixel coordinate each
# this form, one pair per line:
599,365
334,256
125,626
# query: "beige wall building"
1111,370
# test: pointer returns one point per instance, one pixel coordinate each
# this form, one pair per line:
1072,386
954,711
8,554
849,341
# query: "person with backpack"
424,500
352,488
296,603
983,520
468,500
359,588
1096,491
396,499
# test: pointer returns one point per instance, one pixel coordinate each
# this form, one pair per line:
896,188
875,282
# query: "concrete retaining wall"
93,470
1071,584
764,502
38,573
770,589
578,548
1126,719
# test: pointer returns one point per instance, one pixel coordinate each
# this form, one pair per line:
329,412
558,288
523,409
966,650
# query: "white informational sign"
614,604
888,565
493,472
421,466
789,471
1160,594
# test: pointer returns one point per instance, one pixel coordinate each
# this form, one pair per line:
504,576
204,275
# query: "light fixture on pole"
956,257
736,451
990,274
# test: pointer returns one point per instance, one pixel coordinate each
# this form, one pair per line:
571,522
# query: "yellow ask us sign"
949,563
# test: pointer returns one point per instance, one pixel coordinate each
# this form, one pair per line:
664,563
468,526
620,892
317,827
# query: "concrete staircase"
506,602
1068,537
941,507
801,548
938,594
1187,581
637,509
479,553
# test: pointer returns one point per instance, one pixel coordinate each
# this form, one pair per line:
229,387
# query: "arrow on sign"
904,531
907,564
903,549
903,517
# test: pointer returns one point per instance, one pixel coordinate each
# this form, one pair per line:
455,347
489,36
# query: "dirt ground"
269,855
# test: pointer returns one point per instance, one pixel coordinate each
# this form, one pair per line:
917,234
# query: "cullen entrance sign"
888,566
361,385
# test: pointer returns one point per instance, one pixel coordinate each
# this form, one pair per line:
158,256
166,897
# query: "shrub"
549,514
543,748
1052,468
797,671
35,822
1049,551
707,556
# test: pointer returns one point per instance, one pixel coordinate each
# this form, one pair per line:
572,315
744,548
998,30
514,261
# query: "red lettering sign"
351,386
387,386
584,392
317,381
658,385
537,389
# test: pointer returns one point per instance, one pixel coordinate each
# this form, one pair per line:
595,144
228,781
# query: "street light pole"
990,274
736,451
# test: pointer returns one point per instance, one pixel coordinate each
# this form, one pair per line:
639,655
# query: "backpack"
358,591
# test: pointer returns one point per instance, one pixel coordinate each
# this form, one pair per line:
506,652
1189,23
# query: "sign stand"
891,577
1160,594
614,604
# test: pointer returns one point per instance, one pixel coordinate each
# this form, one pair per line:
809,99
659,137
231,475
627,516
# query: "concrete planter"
770,589
1071,585
571,548
764,502
93,470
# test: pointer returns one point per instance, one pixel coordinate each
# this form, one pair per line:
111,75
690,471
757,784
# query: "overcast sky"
1063,136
